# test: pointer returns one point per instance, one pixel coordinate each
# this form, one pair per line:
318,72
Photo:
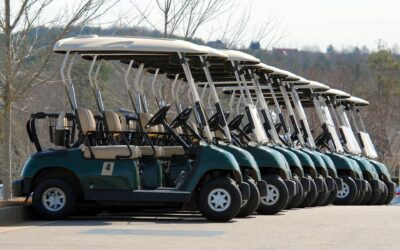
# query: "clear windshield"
369,148
350,141
327,119
258,131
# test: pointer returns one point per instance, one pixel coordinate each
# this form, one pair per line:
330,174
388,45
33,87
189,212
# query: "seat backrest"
113,121
86,120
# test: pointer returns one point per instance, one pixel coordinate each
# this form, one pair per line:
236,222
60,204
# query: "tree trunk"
7,98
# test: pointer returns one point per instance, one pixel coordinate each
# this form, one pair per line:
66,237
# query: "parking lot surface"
332,227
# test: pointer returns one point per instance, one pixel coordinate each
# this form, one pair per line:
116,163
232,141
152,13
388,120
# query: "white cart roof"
211,52
337,93
316,86
357,101
104,44
242,57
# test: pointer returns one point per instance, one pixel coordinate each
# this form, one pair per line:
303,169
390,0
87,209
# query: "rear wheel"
219,199
54,199
360,198
349,192
311,195
277,196
254,200
384,196
322,196
298,198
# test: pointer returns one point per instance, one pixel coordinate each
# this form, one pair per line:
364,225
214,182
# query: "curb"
15,214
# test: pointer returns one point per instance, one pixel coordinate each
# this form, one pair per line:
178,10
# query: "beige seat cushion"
148,151
170,151
113,121
111,152
86,120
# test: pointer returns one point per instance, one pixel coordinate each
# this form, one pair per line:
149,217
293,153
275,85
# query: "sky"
305,23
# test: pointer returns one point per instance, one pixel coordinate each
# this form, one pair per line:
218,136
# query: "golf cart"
110,175
346,108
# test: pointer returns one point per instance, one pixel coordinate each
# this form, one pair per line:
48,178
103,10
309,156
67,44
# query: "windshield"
258,131
326,118
369,148
349,140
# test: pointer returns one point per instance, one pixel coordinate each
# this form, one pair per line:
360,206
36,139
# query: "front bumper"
339,183
291,186
306,183
245,191
361,184
21,187
330,183
262,188
377,186
319,183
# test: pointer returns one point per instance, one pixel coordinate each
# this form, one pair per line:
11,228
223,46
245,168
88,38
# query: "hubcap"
272,196
344,192
219,200
54,199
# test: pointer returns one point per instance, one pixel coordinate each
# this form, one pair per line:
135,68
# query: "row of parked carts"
214,131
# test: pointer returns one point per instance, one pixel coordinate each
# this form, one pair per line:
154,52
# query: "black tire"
349,192
375,198
384,196
332,196
298,198
54,187
367,195
225,187
277,197
389,198
360,198
322,196
254,201
311,195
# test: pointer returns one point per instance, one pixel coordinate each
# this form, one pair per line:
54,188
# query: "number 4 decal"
108,168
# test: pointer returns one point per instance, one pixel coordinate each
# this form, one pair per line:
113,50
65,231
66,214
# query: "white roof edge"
235,55
213,52
85,44
358,101
314,85
337,93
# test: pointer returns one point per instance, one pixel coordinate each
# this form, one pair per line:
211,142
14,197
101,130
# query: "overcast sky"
342,23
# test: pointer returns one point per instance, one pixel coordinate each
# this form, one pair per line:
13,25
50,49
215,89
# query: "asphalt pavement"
332,227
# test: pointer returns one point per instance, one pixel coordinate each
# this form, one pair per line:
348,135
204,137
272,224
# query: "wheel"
298,198
322,196
54,199
375,198
311,195
331,196
349,192
277,196
389,198
254,201
360,198
219,199
384,196
367,195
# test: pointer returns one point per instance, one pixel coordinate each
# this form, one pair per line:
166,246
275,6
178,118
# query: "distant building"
284,51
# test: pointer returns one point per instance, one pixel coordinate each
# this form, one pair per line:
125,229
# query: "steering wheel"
227,114
247,128
213,122
235,123
182,118
158,118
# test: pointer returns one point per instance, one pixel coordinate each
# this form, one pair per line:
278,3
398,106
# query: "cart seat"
171,151
111,152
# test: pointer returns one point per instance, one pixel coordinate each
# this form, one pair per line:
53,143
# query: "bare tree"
20,23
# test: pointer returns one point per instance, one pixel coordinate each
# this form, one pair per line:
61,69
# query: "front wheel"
254,200
367,196
322,196
54,199
277,196
298,198
219,199
311,195
332,196
349,192
384,196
